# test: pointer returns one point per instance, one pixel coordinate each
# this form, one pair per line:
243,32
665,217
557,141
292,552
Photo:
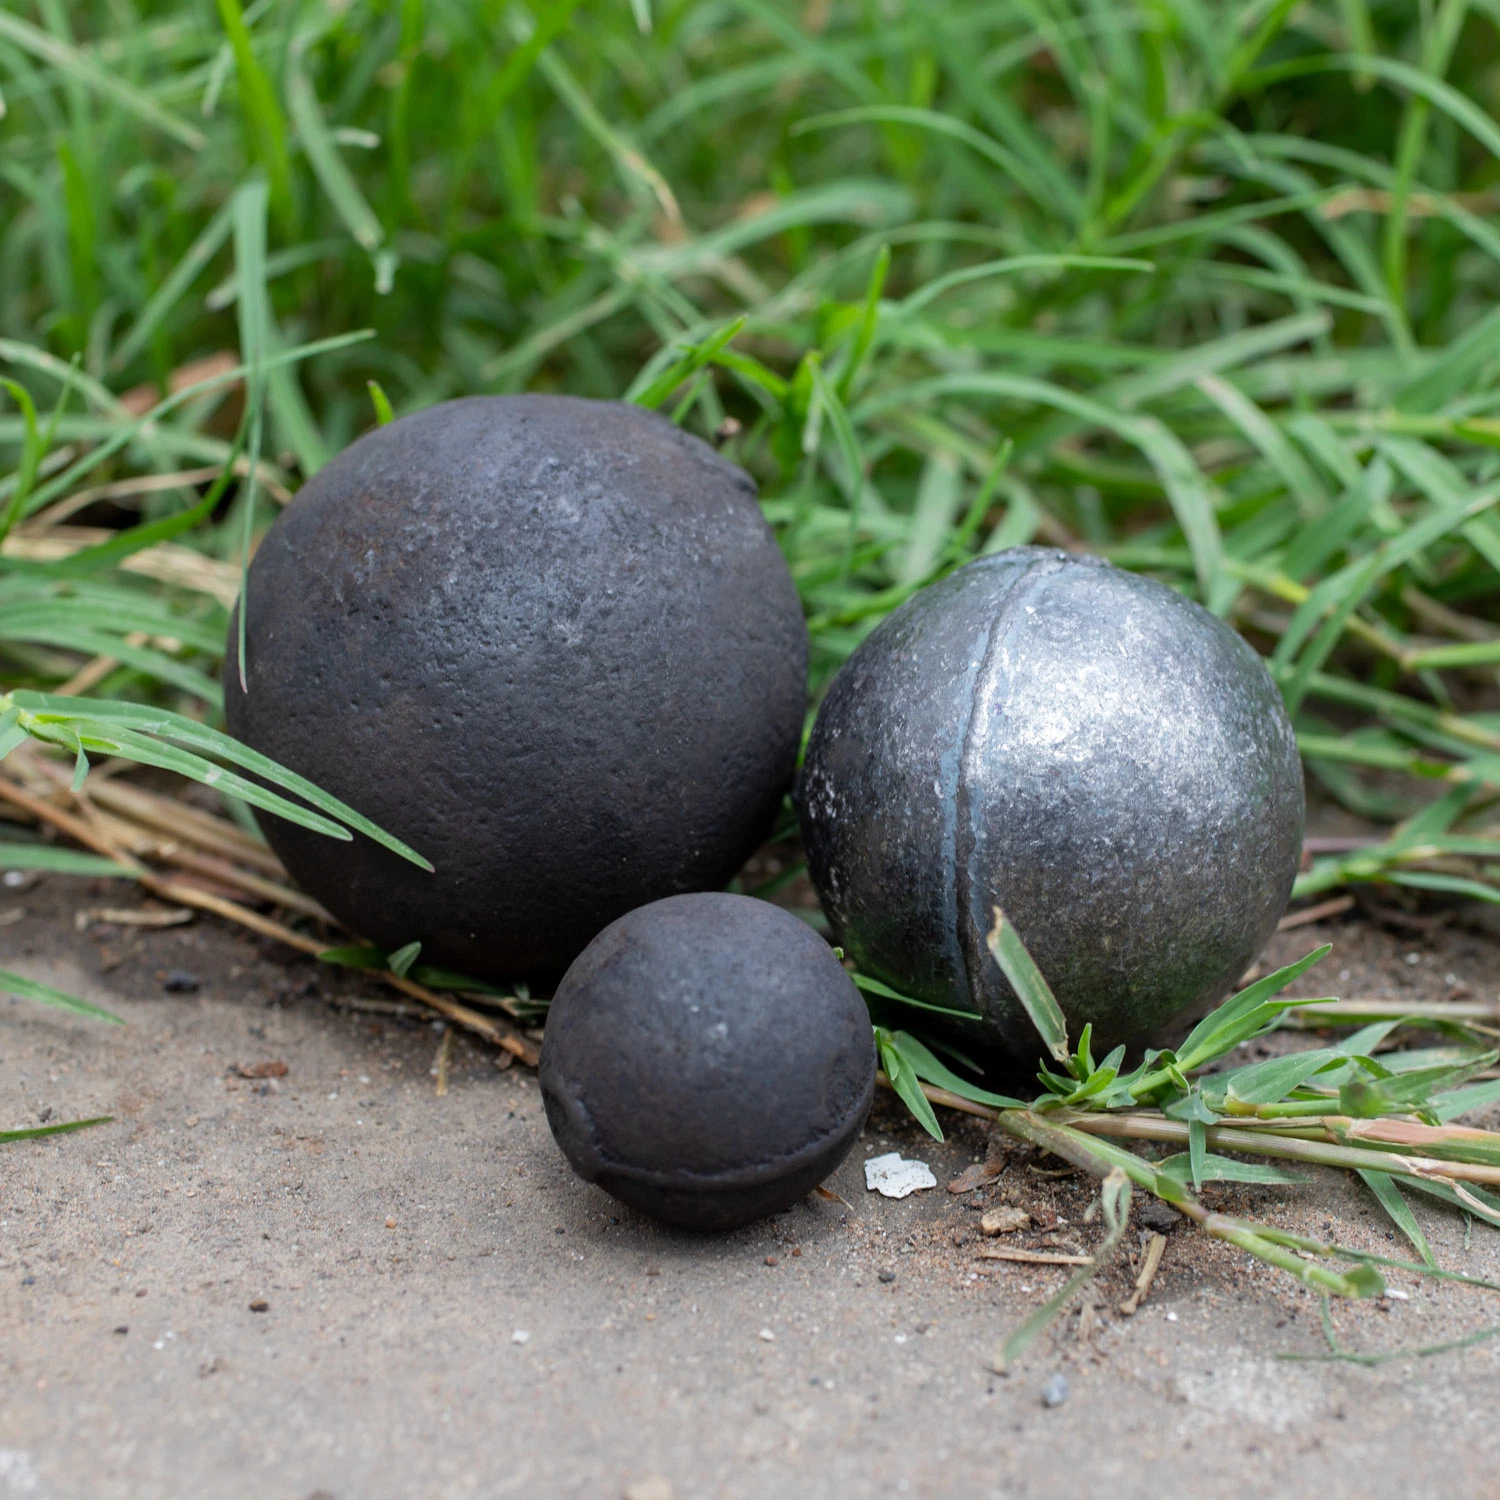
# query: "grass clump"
1206,286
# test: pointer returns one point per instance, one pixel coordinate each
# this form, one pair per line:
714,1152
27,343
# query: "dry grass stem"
166,562
1148,1275
1338,1012
128,916
1288,1147
96,831
151,484
1310,914
1032,1257
93,672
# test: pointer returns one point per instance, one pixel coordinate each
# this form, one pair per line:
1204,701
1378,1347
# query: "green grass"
1207,287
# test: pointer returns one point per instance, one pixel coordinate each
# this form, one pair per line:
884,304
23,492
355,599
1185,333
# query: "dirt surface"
292,1268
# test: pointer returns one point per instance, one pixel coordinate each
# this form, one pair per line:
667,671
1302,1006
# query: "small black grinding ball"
707,1060
1083,747
552,645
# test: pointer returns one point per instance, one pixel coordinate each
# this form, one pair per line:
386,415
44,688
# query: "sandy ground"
333,1283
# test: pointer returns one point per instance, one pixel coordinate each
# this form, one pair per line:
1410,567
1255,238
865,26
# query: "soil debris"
1004,1221
271,1068
1149,1264
892,1176
1033,1257
978,1175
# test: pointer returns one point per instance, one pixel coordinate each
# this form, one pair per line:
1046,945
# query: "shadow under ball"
1081,746
707,1061
550,643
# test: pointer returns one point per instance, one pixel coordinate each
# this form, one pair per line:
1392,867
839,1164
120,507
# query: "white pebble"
893,1177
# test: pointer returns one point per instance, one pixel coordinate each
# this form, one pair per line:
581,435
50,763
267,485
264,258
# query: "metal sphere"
1081,746
707,1060
552,645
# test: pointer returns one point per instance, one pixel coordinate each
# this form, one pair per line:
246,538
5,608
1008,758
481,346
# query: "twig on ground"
1032,1257
172,916
1283,1144
86,829
1148,1275
1311,914
1319,1016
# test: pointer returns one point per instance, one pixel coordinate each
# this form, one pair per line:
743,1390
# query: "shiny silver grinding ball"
1083,747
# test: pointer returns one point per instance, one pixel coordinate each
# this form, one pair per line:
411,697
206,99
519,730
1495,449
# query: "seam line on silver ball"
969,886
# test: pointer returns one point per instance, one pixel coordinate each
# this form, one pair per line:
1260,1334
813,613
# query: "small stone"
892,1176
1152,1213
975,1176
1004,1221
520,1336
655,1488
771,1260
766,1335
123,1328
260,1305
181,982
390,1223
1055,1392
271,1068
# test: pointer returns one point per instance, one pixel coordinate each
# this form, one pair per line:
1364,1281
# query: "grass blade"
1032,990
55,861
262,113
109,717
903,1079
63,1128
323,154
931,1070
1388,1195
45,994
1115,1200
79,66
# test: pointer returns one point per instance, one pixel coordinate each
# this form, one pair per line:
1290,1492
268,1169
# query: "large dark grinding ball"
707,1060
552,645
1083,747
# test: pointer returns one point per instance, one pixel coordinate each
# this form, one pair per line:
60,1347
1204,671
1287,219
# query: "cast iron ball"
707,1060
1083,747
552,645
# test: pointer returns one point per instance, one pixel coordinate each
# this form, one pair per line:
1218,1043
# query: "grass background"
1204,285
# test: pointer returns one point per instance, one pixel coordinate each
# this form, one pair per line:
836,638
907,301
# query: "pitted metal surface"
550,643
707,1060
1087,749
